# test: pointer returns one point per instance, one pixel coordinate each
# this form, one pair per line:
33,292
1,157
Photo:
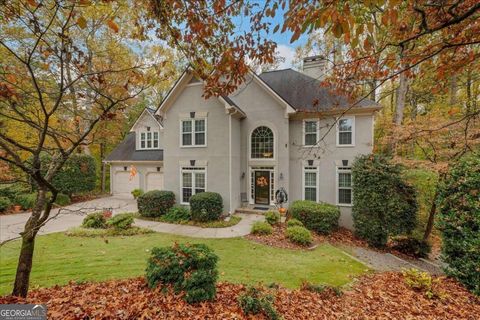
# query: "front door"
262,187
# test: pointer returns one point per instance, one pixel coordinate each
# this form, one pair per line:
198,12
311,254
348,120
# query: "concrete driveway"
66,217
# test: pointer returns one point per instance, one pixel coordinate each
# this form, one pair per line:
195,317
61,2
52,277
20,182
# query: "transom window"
345,131
310,183
149,140
194,132
344,179
193,181
310,130
262,143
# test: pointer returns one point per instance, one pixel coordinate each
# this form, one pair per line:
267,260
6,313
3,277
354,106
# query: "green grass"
59,259
209,224
90,232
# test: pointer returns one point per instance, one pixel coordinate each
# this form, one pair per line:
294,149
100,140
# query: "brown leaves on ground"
378,296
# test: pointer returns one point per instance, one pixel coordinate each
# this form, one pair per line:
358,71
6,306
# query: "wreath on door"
262,182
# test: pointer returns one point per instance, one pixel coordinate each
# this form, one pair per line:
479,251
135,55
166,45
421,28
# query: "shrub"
95,220
272,217
412,246
459,222
11,191
5,203
26,201
137,193
294,222
206,206
261,227
299,235
122,221
176,214
422,281
319,217
256,301
188,267
383,204
320,288
155,203
62,200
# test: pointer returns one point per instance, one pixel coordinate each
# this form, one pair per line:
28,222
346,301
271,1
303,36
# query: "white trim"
249,147
338,132
141,116
317,182
173,90
195,169
317,121
230,169
139,146
269,168
337,171
288,108
193,145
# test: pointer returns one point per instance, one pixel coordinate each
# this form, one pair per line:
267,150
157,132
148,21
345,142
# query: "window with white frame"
149,140
344,185
310,129
261,143
193,181
194,132
310,183
346,131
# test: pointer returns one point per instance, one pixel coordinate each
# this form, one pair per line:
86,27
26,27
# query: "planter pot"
107,213
17,208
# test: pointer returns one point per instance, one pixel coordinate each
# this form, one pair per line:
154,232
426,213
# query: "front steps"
250,209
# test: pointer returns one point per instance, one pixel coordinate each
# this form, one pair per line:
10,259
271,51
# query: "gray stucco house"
266,135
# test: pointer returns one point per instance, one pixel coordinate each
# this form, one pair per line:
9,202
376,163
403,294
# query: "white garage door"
122,182
154,181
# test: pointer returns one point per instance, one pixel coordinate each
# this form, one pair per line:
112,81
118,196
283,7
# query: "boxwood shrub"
294,222
5,203
272,217
188,267
95,220
261,227
319,217
383,204
206,206
459,221
122,221
299,235
155,203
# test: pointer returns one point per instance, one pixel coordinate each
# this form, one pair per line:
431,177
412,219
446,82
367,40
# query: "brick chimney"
315,67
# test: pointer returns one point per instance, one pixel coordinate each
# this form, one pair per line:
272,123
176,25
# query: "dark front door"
262,187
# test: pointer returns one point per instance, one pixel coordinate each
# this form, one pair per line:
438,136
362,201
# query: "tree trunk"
401,96
24,267
453,90
431,217
102,155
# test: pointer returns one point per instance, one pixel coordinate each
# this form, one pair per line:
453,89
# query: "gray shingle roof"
305,93
125,151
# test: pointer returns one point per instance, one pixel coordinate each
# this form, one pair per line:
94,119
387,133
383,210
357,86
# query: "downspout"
230,161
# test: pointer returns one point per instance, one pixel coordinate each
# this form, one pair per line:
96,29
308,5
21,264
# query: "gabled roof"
126,151
305,93
150,112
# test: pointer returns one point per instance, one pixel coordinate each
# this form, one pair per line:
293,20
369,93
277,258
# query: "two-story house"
279,129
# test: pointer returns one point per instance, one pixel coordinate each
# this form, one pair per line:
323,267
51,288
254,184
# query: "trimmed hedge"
272,217
122,221
188,267
261,227
299,235
383,203
294,222
411,246
155,203
95,220
206,206
459,221
5,203
319,217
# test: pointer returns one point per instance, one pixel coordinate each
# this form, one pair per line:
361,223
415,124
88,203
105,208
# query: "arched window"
262,143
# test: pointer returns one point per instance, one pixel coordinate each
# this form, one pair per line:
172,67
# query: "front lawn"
59,259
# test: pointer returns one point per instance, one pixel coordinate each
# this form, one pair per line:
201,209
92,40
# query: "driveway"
66,217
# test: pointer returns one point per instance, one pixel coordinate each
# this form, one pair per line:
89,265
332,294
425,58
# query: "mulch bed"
377,296
278,239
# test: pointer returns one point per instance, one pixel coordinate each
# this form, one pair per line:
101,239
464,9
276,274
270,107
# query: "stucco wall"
143,169
146,120
327,156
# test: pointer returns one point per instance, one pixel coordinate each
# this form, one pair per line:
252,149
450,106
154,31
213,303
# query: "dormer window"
149,140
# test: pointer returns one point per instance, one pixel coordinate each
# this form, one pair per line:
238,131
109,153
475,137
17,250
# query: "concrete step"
250,209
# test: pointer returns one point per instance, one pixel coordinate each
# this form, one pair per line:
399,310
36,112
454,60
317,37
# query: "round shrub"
62,200
319,217
26,201
261,227
188,267
122,221
155,203
459,221
95,220
294,222
5,203
206,206
272,217
176,214
299,235
411,246
383,204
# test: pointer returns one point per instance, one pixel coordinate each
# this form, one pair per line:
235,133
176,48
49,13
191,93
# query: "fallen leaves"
379,296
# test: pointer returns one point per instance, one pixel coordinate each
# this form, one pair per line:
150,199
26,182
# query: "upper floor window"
346,131
262,143
149,140
310,129
194,132
344,185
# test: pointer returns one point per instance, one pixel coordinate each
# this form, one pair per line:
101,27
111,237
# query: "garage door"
123,183
154,181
